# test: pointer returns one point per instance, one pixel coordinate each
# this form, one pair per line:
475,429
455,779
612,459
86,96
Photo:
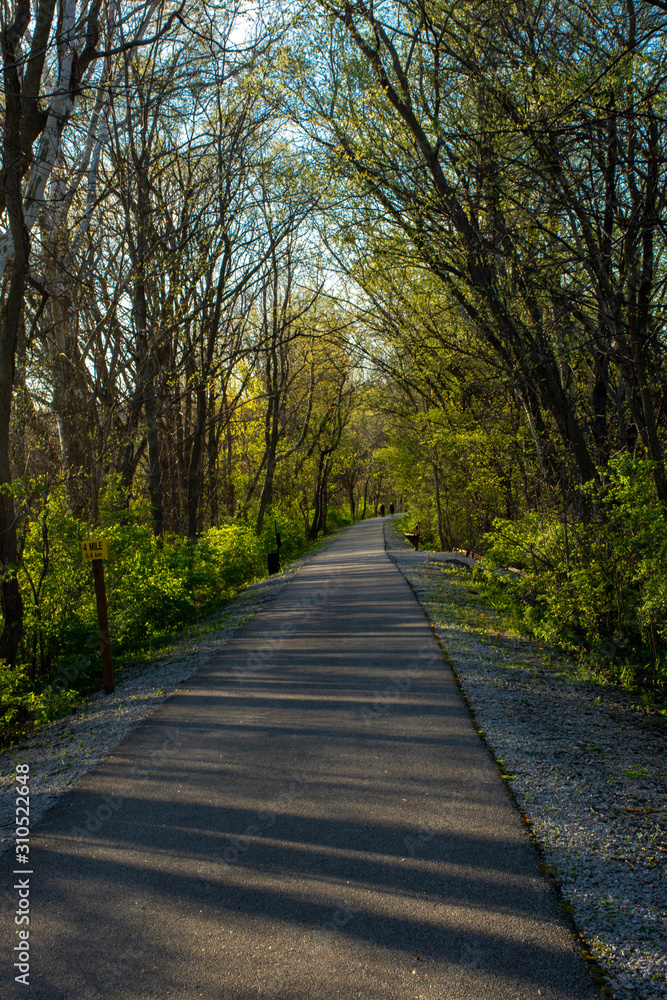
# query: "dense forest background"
273,267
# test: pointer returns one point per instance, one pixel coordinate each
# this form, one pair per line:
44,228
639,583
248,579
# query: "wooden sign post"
95,551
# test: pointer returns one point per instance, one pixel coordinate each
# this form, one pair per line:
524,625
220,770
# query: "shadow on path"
312,816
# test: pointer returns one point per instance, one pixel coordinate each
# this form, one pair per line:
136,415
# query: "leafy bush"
604,592
52,577
337,518
154,586
20,701
223,560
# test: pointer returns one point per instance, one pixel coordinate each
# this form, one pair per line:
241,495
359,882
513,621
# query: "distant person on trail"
391,508
381,510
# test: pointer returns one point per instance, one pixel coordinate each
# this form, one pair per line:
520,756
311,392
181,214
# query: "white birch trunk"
60,111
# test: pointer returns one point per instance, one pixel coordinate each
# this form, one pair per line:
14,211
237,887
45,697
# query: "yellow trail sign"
96,549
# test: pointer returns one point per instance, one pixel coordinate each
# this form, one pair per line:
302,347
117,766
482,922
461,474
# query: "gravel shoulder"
588,771
61,752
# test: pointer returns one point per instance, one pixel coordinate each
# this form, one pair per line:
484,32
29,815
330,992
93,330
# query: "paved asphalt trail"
312,816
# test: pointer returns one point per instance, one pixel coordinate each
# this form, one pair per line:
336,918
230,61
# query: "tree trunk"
154,464
320,500
147,376
267,491
229,459
70,404
363,513
438,507
640,334
10,594
10,321
194,466
212,452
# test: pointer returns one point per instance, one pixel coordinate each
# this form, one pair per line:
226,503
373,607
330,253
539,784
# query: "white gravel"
587,769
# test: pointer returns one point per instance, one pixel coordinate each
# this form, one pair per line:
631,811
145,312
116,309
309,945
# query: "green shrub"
225,559
52,577
604,593
154,586
337,518
22,702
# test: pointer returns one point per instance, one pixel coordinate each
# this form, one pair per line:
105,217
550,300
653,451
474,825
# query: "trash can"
413,537
273,559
